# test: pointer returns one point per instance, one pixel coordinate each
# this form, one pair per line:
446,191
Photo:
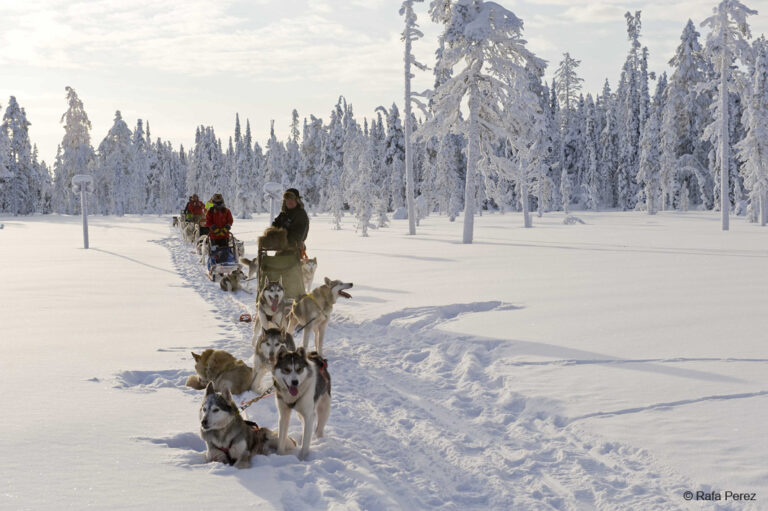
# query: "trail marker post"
83,183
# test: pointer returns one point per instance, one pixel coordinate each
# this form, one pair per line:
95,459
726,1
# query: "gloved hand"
229,227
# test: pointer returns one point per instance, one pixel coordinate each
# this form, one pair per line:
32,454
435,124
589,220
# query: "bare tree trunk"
725,204
409,188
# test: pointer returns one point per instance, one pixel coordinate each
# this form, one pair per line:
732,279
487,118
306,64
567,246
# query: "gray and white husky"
271,307
228,437
302,383
308,269
265,350
313,311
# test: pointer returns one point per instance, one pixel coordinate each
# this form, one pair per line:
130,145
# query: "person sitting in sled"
194,210
218,219
293,218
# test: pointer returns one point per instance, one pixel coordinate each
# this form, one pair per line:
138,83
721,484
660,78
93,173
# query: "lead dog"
302,382
265,350
313,310
228,437
221,369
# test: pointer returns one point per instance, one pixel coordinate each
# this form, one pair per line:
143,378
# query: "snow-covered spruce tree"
484,42
394,157
380,177
5,165
76,155
726,43
138,172
753,149
410,33
243,167
312,160
568,87
334,164
682,122
112,180
632,108
275,158
650,158
591,179
292,153
609,148
19,197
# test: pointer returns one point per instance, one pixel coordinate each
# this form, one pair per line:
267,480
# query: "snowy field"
611,365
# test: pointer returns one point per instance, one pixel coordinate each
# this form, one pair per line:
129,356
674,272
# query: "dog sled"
221,261
275,263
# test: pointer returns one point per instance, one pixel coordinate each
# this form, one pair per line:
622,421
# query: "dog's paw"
194,382
244,462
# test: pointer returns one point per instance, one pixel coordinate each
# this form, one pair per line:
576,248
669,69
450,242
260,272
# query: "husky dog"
252,264
265,349
308,268
313,310
175,221
189,232
221,369
228,437
231,282
302,382
271,306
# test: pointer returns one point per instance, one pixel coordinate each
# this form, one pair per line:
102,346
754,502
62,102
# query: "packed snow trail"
421,419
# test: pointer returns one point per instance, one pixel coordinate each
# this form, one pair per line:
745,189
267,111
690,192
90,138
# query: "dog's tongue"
344,294
274,305
294,390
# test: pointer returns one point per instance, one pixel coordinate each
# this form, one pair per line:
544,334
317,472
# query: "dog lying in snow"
221,369
228,437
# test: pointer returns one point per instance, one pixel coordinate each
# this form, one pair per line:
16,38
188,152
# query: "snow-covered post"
273,191
83,183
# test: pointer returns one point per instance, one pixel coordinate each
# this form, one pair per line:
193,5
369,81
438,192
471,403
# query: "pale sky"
182,63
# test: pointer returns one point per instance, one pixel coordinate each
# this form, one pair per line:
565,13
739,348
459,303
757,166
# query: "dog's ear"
280,281
301,352
196,356
209,389
228,395
327,281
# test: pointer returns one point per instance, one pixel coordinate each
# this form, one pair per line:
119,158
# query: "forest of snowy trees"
492,134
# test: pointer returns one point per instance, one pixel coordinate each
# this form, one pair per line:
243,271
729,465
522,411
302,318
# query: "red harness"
225,450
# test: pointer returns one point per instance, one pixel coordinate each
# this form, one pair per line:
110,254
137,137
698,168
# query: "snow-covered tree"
650,158
753,149
19,194
726,43
112,178
484,42
75,155
410,33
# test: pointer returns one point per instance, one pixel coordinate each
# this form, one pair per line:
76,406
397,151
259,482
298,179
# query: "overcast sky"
182,63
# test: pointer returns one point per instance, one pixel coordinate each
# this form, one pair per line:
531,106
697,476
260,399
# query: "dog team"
300,378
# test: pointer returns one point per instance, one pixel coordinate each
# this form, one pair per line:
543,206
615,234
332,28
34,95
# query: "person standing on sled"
293,218
218,219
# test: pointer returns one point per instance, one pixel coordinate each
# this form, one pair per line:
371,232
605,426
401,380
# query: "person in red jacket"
219,221
195,209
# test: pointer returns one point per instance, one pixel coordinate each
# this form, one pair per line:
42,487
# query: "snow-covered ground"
611,365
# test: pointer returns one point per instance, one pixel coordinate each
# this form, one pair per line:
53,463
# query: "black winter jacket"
296,222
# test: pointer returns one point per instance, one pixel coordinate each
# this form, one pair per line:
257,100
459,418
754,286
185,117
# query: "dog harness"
225,450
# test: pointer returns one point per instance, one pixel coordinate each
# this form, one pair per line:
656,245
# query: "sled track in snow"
419,420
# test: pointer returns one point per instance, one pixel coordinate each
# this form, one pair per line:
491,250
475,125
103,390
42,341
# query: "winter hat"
217,199
292,193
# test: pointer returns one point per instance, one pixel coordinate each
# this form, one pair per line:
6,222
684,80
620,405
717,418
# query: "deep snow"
610,365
